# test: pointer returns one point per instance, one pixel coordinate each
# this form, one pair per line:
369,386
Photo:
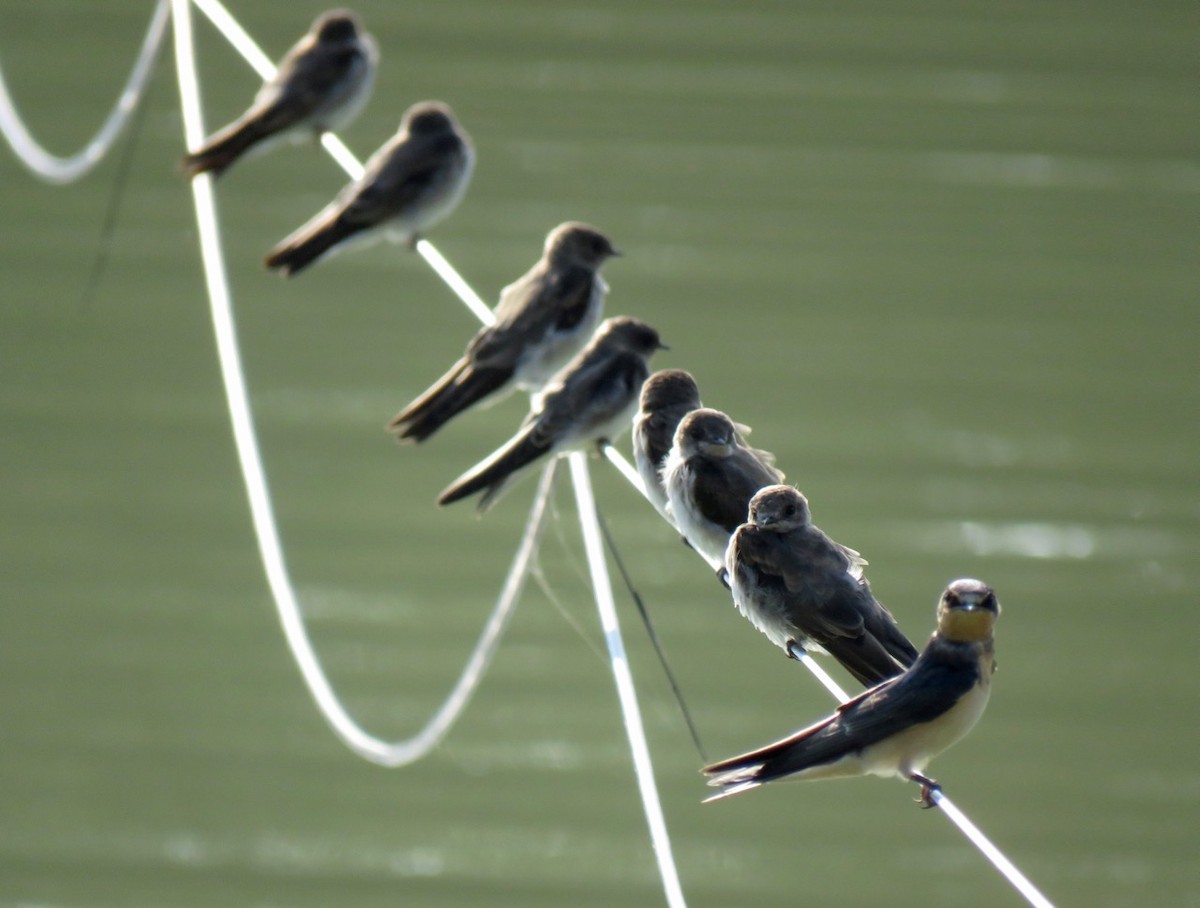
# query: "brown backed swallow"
542,320
896,728
590,401
412,182
804,590
321,84
710,476
667,396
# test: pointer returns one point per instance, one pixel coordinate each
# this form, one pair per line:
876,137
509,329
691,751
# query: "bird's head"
337,26
967,611
630,334
428,118
779,507
707,432
575,243
669,388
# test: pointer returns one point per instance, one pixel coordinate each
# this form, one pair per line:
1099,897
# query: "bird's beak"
720,447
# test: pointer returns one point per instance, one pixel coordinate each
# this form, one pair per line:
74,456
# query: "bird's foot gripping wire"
929,787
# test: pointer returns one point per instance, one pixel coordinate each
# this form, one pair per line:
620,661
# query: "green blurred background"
942,256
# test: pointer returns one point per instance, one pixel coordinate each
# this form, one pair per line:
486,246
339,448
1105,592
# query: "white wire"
1008,870
237,36
625,468
455,282
270,549
54,169
626,695
818,672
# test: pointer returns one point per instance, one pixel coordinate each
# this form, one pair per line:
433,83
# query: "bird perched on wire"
590,401
710,476
667,396
412,182
542,320
804,590
896,728
321,84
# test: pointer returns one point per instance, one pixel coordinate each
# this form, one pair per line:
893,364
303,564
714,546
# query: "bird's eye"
789,511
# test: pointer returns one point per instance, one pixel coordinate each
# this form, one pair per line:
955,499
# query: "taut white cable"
1007,869
54,169
626,695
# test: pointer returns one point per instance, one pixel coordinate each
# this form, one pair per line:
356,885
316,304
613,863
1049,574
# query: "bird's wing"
528,310
921,695
396,176
589,396
306,78
816,570
724,487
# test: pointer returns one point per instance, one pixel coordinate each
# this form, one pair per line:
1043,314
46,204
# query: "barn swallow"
542,320
801,588
412,182
710,476
590,401
321,84
896,728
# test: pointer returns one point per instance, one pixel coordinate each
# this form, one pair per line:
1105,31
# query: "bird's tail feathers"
733,776
453,393
222,149
729,788
494,473
900,647
307,244
865,658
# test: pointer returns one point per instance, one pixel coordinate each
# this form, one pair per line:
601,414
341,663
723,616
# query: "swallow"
804,590
412,182
590,401
667,396
710,476
542,320
897,727
322,83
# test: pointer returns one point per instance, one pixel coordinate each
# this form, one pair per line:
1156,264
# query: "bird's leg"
796,651
413,239
928,787
723,576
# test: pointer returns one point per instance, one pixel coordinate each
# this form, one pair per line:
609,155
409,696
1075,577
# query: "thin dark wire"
653,635
113,206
